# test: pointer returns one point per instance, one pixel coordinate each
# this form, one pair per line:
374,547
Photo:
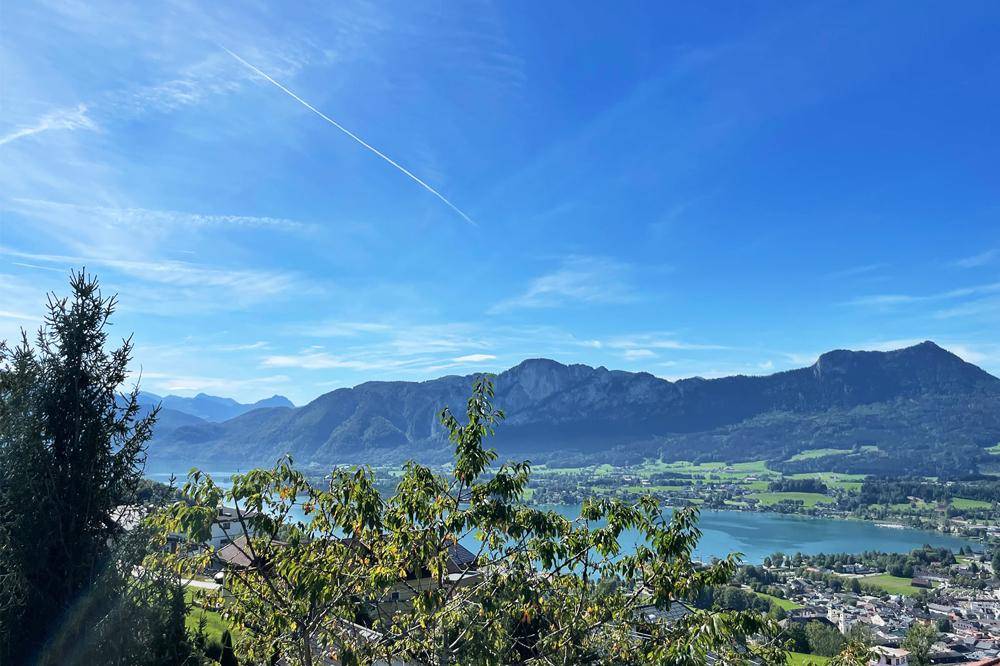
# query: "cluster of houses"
968,619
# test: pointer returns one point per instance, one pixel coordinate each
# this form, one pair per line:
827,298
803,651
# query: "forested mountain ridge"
921,398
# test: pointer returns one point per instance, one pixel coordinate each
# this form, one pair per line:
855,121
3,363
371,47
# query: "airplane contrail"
354,136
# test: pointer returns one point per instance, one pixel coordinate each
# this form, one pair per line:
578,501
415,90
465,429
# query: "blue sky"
681,189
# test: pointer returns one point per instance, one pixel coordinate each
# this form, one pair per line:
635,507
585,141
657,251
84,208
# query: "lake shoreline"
758,534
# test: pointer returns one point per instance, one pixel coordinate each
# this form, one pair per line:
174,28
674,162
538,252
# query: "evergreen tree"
71,454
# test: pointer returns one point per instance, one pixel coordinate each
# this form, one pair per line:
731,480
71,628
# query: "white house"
887,656
226,526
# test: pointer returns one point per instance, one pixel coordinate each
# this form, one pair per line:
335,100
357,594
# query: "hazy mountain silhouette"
209,407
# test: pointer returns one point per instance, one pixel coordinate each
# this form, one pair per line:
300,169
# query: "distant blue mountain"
206,407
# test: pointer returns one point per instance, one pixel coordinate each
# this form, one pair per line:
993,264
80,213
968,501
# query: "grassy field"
779,602
848,482
823,453
709,469
807,499
214,624
800,659
892,584
817,453
916,506
962,503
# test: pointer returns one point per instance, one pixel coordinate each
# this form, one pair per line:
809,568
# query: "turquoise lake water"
758,535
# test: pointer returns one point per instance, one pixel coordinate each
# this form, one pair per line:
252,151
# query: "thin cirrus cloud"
881,300
8,314
644,346
22,302
663,341
474,358
400,339
249,346
339,329
196,83
977,260
167,382
578,280
317,359
974,308
143,218
855,271
314,358
75,118
230,287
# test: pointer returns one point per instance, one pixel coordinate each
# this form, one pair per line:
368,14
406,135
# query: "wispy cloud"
61,119
143,218
887,345
195,83
370,344
977,260
855,271
339,329
902,299
23,303
369,360
474,358
249,346
220,287
579,280
403,350
981,306
178,273
801,358
7,314
166,382
650,341
311,359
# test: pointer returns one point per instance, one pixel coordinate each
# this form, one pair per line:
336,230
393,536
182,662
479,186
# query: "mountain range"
916,410
176,410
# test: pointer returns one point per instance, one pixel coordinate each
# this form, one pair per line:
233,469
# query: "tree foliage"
336,568
71,454
919,640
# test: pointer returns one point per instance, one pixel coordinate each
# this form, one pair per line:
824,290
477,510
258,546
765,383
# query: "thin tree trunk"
307,657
